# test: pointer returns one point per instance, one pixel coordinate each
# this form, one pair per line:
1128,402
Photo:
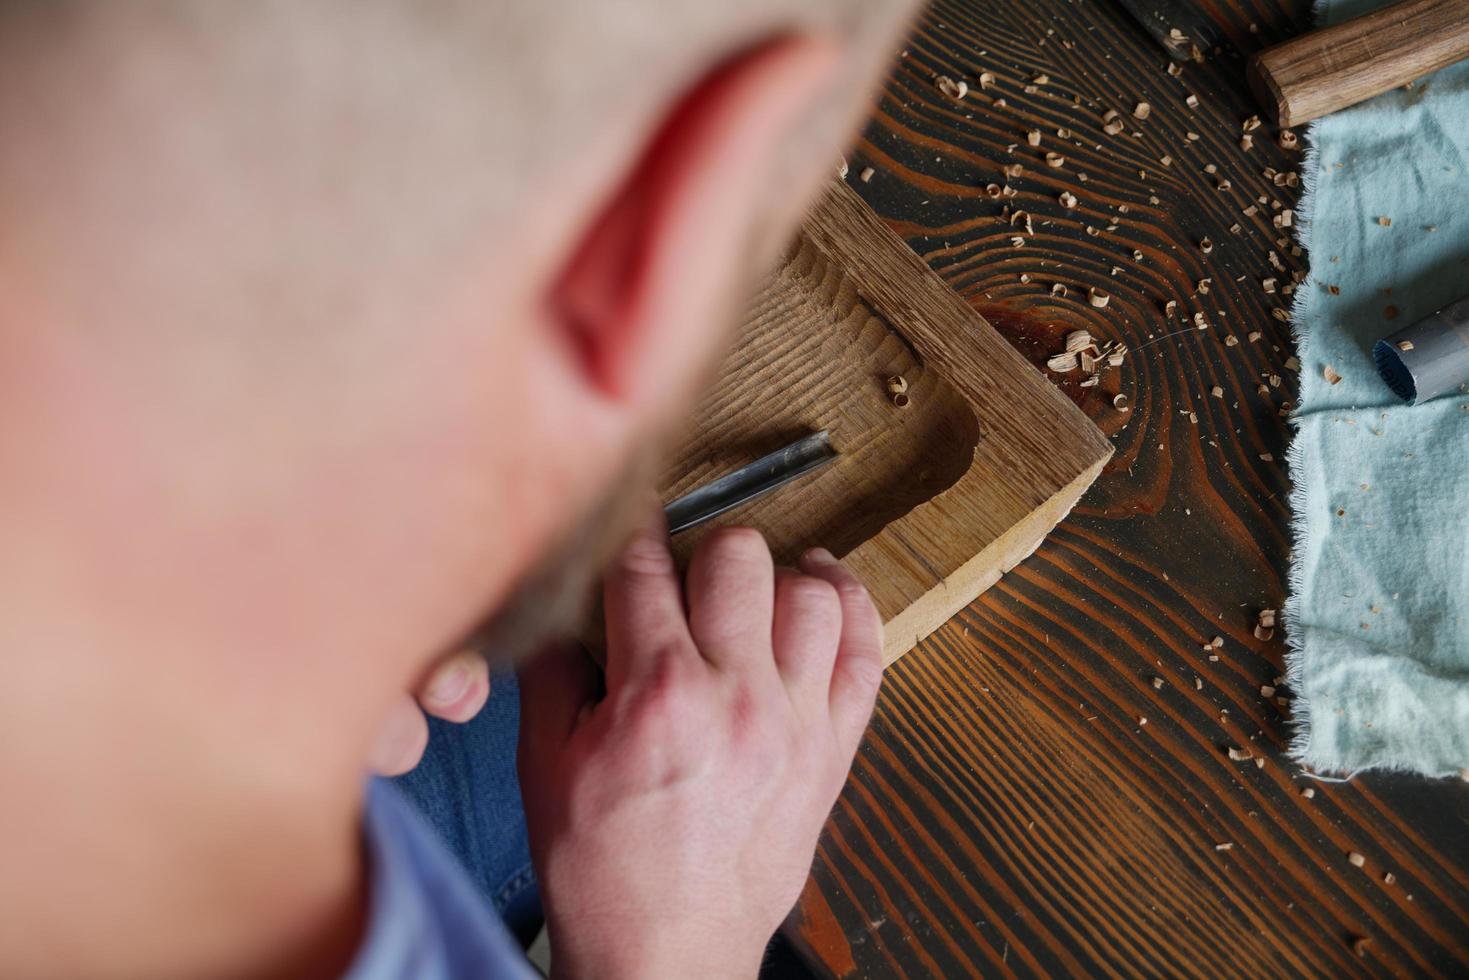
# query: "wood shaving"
1239,755
1226,846
1231,341
842,169
901,400
1119,402
866,175
1265,625
1355,859
1142,111
986,79
1251,124
1268,285
1389,878
1288,139
1063,363
1206,245
1078,340
1217,391
1266,691
1329,373
1203,286
1033,137
1217,643
1166,160
1017,241
897,384
1247,142
1175,69
1098,298
1055,160
1405,345
1192,101
1058,289
1014,170
1309,793
1068,200
1385,221
955,90
993,190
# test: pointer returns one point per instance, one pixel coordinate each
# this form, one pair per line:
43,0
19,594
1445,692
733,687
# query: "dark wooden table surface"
1030,801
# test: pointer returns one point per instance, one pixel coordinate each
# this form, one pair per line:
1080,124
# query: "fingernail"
450,685
821,556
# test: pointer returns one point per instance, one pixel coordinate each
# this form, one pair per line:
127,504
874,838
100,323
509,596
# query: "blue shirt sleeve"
426,921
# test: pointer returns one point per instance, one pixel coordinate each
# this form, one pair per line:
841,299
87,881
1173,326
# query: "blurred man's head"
323,323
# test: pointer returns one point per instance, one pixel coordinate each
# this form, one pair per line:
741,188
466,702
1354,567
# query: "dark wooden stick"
1330,69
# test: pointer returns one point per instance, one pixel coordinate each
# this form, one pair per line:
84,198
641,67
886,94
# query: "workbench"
1046,789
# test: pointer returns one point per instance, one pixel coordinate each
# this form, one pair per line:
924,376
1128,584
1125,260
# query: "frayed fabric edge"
1299,748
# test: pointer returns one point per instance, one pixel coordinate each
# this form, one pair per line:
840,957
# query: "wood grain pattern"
1009,814
928,504
1339,66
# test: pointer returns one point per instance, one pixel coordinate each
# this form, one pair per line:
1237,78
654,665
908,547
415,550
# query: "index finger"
643,603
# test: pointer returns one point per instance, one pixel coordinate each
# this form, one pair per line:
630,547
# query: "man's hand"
455,690
673,822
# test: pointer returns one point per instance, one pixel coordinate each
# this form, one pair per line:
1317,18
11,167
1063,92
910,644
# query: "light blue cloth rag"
1378,617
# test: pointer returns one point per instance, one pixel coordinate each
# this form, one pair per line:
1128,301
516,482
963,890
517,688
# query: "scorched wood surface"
1046,787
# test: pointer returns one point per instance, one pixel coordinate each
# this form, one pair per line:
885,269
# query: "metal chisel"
749,482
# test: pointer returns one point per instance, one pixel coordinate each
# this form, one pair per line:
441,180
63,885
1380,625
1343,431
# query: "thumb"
401,739
556,686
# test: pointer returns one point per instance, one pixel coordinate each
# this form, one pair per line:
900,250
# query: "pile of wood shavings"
1082,352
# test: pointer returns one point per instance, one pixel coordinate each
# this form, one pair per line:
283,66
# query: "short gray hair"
402,127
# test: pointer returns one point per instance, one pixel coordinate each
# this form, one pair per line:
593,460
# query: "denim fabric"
467,788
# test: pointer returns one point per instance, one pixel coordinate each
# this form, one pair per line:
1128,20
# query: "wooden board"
929,504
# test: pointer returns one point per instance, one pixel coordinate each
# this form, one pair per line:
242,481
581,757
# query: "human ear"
642,298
